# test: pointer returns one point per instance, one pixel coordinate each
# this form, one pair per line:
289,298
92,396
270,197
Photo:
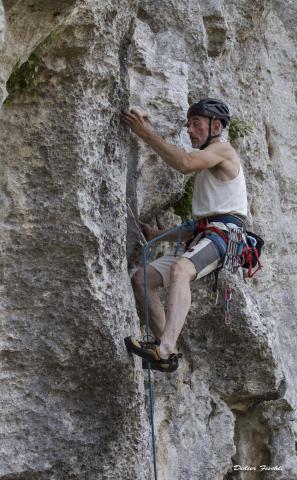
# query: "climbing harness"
237,248
243,250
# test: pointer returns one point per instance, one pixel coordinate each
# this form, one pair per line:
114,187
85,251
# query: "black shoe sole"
157,366
172,364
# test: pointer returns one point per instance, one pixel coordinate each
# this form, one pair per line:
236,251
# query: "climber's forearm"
172,155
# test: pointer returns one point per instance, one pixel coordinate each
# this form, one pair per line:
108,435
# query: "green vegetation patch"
23,77
239,128
183,207
50,39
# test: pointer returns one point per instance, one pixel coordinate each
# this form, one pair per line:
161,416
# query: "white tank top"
212,196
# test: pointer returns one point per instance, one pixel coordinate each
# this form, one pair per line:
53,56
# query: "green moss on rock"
239,128
183,207
23,78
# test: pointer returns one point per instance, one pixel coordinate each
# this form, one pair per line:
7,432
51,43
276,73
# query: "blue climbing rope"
190,225
151,388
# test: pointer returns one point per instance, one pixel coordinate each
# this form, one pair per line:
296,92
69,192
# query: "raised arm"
178,159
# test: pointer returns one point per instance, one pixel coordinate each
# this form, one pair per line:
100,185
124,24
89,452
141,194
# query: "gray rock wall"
73,403
2,24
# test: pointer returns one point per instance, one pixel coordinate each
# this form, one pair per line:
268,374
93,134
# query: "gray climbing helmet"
211,108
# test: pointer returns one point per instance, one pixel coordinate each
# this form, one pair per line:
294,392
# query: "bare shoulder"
228,168
225,150
217,157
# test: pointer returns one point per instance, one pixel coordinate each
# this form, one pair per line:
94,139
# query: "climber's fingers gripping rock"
137,122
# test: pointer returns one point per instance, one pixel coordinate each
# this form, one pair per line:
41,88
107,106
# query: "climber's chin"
195,142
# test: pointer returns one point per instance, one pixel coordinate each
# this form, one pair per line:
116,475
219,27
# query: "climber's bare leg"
179,302
156,309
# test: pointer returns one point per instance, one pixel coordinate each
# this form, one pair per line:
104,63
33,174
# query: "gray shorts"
204,255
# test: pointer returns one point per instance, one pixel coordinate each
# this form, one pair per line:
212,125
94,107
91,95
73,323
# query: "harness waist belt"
226,219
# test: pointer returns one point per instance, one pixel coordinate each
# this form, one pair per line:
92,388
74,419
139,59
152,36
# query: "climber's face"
198,130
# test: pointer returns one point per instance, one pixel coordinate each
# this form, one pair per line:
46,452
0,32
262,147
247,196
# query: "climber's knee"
137,279
154,278
183,269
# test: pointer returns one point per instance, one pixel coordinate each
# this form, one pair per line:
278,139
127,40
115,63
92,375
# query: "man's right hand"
149,232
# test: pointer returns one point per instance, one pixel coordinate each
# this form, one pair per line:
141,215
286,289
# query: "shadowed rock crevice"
133,235
216,29
255,436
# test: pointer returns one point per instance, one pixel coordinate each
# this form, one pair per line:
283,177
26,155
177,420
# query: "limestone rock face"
2,22
74,181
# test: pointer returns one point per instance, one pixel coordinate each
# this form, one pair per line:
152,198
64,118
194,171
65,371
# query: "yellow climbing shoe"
149,351
145,349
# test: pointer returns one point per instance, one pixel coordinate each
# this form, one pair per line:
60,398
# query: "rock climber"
219,200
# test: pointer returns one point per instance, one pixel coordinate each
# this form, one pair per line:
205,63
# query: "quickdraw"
235,246
227,300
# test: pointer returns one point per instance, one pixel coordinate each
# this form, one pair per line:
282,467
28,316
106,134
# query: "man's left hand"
136,122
